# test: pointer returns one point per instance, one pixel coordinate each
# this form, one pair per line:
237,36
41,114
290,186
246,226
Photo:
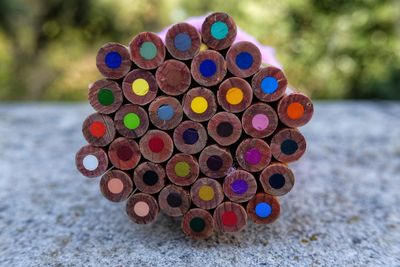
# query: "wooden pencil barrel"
131,121
139,87
182,169
183,41
156,146
199,104
91,161
277,179
165,112
260,120
243,59
173,77
198,224
215,161
269,84
149,177
98,129
295,110
253,154
208,68
225,128
240,186
124,153
190,137
263,209
116,185
235,95
113,60
218,31
142,208
174,201
206,193
230,217
105,96
288,145
147,50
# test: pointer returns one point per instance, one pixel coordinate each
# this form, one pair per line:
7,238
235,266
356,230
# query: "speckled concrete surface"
344,209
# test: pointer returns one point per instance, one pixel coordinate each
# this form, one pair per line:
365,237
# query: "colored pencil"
105,96
149,177
139,87
173,77
147,50
113,60
218,31
234,95
288,145
91,161
243,59
182,169
208,68
98,129
116,185
174,200
183,41
165,112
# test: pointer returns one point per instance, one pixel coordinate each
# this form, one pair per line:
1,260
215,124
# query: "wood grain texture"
156,146
215,161
243,59
150,201
230,217
206,193
208,68
147,91
116,185
233,89
273,73
295,110
260,120
225,128
105,96
185,30
253,154
165,112
137,43
174,200
122,117
124,153
190,137
182,169
173,77
207,96
288,145
149,177
207,34
98,129
240,186
277,179
271,201
116,72
100,155
192,219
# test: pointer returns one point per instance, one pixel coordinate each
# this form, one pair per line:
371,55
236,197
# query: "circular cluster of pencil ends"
195,127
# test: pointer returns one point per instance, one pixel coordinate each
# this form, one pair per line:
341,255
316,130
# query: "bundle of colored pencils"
195,127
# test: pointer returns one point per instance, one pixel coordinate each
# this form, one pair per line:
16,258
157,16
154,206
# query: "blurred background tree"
329,48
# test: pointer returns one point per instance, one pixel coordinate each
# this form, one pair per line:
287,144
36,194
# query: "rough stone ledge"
344,209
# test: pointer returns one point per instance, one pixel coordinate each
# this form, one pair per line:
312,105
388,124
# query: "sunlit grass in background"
329,48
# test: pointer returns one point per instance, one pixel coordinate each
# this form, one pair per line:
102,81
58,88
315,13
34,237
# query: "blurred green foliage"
329,48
